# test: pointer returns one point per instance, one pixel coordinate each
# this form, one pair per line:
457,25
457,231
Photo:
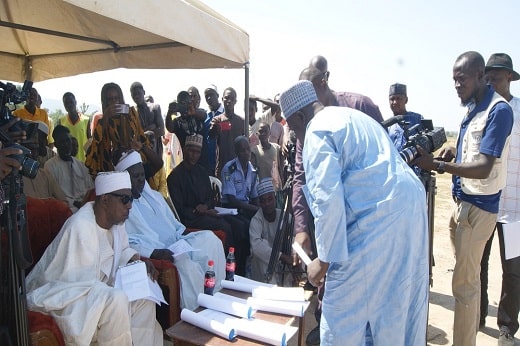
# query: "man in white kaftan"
152,228
371,226
262,234
73,281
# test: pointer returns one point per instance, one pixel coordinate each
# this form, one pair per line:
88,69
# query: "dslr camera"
425,136
10,96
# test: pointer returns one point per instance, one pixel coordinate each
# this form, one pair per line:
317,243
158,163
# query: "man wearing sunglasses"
152,230
74,279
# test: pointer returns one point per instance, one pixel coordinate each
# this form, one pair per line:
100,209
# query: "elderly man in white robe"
74,279
371,225
152,228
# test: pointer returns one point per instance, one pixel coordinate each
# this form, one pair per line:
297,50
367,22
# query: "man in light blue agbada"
371,225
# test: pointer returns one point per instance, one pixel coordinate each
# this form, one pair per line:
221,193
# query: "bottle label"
230,266
209,282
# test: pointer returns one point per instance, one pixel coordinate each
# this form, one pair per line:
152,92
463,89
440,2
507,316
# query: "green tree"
55,116
83,108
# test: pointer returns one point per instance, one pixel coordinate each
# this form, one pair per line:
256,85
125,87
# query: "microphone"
391,121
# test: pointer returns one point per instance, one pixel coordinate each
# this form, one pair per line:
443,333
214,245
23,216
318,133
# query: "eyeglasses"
125,199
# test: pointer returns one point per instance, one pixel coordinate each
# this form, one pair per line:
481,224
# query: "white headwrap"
107,182
128,160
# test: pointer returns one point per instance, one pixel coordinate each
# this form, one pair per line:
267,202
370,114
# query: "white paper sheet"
226,211
279,307
512,239
280,293
299,250
133,279
180,247
209,324
256,329
225,305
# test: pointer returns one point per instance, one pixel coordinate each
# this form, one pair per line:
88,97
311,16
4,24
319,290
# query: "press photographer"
190,121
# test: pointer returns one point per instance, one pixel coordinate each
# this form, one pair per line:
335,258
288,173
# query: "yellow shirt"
39,115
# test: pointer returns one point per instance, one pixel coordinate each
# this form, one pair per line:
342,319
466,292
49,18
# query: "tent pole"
246,101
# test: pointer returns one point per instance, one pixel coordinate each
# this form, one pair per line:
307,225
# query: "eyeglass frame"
125,199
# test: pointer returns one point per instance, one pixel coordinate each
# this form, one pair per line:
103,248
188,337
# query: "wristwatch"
441,167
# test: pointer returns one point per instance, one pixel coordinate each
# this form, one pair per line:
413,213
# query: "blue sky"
369,45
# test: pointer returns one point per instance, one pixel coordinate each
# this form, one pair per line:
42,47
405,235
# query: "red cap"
231,249
211,263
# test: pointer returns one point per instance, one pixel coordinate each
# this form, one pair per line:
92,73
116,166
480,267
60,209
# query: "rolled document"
243,284
280,293
299,250
260,330
286,308
208,324
225,305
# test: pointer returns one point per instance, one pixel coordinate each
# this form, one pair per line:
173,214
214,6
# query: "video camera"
9,96
181,105
425,136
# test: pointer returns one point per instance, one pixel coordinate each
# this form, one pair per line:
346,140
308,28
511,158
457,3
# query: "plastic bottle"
230,265
209,279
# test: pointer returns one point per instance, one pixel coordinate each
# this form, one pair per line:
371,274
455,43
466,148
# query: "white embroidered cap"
296,97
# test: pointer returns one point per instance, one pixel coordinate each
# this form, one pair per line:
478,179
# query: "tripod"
13,323
430,185
283,239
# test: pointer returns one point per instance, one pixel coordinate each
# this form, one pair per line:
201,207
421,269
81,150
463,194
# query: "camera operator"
7,163
398,99
479,175
188,123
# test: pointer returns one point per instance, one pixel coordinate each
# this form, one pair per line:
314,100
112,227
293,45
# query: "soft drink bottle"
209,279
230,265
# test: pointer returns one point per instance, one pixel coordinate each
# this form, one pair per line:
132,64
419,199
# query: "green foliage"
55,115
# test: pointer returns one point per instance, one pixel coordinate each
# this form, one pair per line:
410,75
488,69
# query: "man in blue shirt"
398,99
239,179
479,174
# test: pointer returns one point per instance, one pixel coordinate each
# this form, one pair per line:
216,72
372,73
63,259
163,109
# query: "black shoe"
313,338
482,323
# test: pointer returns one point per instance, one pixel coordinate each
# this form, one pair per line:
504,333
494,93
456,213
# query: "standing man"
149,114
500,74
215,108
32,112
74,279
77,123
225,128
70,173
479,174
398,100
371,225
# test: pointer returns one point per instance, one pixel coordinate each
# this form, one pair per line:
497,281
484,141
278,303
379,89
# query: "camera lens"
409,154
29,167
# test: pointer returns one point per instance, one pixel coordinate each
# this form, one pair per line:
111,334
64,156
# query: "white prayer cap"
128,159
42,127
107,182
265,186
297,97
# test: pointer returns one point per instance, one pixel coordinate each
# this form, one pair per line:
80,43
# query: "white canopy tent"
47,39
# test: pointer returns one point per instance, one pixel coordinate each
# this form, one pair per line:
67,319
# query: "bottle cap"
211,263
231,249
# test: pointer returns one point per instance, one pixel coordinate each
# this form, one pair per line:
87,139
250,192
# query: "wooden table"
184,334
